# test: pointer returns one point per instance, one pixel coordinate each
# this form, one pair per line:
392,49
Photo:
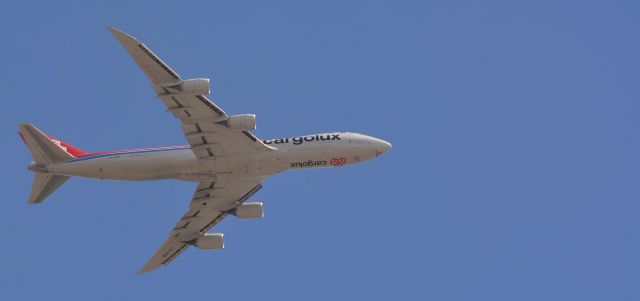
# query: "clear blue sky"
514,173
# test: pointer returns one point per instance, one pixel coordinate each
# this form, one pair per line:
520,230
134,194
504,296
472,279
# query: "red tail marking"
69,148
22,137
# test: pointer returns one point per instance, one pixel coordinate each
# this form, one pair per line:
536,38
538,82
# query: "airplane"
227,161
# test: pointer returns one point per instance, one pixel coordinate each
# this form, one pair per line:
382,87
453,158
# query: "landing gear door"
221,169
206,168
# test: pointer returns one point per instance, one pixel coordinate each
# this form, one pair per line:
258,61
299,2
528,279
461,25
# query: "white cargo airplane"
228,162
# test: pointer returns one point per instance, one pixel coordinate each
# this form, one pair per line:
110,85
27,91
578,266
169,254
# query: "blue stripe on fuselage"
127,153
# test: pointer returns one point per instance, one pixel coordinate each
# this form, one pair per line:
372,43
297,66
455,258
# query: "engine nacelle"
252,210
210,241
245,122
196,86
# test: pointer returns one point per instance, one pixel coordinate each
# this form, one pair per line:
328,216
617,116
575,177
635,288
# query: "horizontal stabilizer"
44,185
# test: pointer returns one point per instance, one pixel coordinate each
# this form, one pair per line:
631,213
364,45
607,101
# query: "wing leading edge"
201,118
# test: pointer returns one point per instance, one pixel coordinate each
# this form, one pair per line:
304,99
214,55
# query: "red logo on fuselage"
338,161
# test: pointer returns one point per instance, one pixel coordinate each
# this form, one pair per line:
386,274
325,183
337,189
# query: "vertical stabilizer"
43,149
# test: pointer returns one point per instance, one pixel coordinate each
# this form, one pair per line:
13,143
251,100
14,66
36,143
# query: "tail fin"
43,149
46,150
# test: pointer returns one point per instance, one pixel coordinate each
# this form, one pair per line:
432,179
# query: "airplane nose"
382,147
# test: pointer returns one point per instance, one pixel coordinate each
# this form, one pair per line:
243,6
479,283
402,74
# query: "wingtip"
120,35
144,270
148,268
114,30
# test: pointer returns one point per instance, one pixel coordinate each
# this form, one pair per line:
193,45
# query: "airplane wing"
203,126
211,203
199,116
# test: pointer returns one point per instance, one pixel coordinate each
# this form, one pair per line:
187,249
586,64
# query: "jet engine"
245,122
252,210
210,241
196,86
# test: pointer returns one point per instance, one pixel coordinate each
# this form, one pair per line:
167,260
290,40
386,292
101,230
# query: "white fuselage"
311,151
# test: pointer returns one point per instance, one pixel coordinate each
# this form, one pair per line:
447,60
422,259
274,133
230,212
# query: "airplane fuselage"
178,162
